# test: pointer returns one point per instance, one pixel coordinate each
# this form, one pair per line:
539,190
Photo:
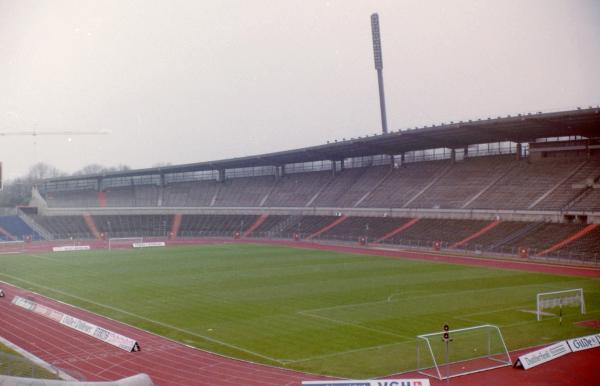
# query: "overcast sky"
189,81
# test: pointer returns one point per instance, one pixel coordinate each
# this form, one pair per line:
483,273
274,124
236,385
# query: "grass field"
342,314
13,364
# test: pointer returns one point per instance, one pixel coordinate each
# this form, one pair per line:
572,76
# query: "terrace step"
89,221
483,230
401,228
429,185
7,234
559,183
337,221
176,224
256,224
380,182
569,239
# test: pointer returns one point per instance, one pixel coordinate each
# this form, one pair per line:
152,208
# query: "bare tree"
90,169
42,170
18,191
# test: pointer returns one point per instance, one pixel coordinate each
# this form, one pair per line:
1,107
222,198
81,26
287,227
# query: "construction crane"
35,133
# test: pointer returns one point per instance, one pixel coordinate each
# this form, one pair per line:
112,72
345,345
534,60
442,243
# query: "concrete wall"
461,214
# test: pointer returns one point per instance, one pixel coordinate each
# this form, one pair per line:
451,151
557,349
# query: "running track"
170,363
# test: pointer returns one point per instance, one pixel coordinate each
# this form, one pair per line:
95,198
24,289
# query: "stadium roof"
520,128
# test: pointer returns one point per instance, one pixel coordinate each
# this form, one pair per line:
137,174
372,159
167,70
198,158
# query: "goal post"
559,299
123,242
466,351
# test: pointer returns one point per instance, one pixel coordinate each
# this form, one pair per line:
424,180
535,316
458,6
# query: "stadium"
274,230
465,252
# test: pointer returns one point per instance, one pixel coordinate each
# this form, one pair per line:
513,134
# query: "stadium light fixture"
379,67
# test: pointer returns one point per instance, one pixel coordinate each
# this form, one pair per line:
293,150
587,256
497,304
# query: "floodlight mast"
379,68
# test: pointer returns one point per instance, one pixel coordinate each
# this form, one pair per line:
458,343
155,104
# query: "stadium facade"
525,184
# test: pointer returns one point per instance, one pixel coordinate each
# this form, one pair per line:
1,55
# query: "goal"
556,300
123,242
467,351
7,247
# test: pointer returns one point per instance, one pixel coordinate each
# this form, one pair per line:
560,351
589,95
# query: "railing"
17,366
476,250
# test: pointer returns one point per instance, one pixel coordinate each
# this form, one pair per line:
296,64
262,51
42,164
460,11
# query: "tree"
18,191
41,171
90,169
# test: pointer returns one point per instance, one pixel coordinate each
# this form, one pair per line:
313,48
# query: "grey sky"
188,81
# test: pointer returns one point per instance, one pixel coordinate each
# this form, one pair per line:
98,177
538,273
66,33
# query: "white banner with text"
149,244
97,332
68,248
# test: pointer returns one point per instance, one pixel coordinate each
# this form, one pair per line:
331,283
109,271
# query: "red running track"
171,363
168,363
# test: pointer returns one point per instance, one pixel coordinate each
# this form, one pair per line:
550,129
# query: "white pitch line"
352,324
44,257
344,306
192,333
493,311
346,352
391,299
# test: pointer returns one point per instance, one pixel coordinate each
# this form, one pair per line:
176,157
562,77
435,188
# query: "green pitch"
324,312
13,364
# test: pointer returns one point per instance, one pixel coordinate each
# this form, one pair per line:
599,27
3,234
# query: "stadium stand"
297,189
272,226
190,194
243,191
574,187
447,231
463,181
536,178
404,183
248,231
134,225
306,226
331,225
544,236
499,236
586,245
475,183
120,197
214,225
371,228
526,182
590,201
349,186
14,228
145,195
65,227
73,199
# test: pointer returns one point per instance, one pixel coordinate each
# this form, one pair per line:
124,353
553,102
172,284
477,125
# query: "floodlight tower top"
379,67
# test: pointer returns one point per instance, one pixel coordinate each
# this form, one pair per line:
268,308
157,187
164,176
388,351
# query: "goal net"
7,247
468,350
551,303
123,242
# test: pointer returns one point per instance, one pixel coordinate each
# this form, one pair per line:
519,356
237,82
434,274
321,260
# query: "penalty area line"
334,354
337,321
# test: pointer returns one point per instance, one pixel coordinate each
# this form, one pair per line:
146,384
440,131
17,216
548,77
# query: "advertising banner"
543,355
68,248
149,244
584,343
97,332
380,382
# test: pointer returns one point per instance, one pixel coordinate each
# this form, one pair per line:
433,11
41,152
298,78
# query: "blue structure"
17,227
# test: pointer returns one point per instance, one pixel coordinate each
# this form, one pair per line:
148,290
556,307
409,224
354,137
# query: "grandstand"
529,182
